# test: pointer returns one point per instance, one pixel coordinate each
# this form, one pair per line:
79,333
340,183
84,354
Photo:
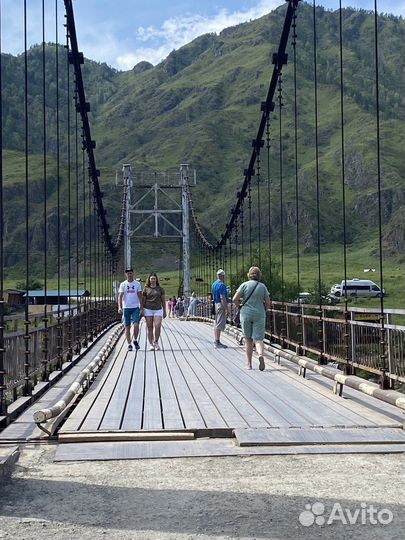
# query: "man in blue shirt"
220,297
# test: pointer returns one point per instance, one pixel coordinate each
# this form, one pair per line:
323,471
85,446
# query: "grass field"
332,271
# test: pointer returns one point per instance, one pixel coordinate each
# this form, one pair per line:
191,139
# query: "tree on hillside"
286,291
33,285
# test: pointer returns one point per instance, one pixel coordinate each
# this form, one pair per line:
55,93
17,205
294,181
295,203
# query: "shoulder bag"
236,319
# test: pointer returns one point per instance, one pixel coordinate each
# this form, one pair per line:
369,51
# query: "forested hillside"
201,105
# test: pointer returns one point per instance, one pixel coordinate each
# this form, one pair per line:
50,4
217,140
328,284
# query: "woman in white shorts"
154,309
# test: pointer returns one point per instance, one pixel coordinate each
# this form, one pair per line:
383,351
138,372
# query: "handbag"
236,319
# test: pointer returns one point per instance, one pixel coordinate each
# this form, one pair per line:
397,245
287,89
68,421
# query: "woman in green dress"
256,300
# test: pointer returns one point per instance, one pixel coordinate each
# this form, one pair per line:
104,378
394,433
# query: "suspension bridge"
334,373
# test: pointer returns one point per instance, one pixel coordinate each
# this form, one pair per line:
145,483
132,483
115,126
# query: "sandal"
261,363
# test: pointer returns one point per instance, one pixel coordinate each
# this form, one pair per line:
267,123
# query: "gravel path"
231,497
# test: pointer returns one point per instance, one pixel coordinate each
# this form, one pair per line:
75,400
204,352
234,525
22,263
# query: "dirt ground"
200,498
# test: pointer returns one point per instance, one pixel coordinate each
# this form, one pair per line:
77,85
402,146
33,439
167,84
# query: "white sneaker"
157,347
151,348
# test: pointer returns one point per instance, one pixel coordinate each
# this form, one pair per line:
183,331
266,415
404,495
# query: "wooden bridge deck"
169,402
190,389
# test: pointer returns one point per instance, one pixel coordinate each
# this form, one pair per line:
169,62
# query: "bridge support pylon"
186,230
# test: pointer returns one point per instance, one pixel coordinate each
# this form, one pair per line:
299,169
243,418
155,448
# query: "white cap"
221,272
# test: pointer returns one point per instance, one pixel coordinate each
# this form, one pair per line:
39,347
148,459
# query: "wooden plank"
203,448
259,394
107,436
207,408
114,413
331,405
368,416
345,412
132,416
189,410
239,394
219,392
216,386
95,413
297,403
50,397
299,436
170,329
133,412
21,431
164,341
80,412
172,418
66,380
321,410
152,412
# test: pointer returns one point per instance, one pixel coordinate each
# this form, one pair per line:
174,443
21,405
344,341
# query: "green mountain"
201,105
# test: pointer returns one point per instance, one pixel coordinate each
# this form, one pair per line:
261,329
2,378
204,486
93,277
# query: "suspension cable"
69,355
346,336
269,242
27,352
280,165
92,284
230,254
45,372
3,407
237,246
269,203
249,197
242,229
384,381
85,329
76,58
76,193
299,318
321,340
259,224
279,59
59,346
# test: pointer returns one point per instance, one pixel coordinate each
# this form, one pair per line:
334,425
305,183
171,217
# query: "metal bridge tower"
126,173
147,217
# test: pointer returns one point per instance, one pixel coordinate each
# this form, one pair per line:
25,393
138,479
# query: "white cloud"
105,39
177,31
152,55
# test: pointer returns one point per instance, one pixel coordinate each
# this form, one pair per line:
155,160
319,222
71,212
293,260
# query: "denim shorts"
132,315
253,327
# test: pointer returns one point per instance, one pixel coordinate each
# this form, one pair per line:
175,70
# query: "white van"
364,288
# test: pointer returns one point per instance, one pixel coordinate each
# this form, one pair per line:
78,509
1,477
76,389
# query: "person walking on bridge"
154,309
129,303
256,300
220,296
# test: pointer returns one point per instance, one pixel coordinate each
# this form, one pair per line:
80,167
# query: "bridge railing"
323,335
75,328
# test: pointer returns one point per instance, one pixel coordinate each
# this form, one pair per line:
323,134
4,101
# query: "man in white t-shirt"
130,304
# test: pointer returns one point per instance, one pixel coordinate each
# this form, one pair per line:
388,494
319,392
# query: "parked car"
363,288
303,298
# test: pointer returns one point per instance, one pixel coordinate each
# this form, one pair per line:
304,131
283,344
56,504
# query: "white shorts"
153,312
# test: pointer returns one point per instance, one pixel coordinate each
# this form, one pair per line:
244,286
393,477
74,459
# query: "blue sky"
124,32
